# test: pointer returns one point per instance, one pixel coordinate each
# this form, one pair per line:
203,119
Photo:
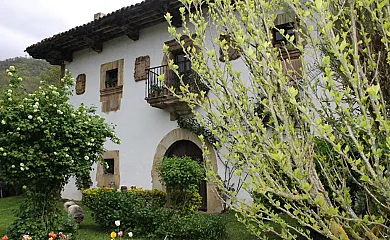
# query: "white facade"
139,126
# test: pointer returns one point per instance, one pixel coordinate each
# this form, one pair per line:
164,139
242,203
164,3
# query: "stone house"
115,60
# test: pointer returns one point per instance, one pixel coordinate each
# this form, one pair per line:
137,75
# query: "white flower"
18,129
13,166
55,153
66,155
54,105
1,149
22,164
20,79
117,223
5,154
26,168
92,140
3,122
29,117
11,85
21,168
11,68
73,115
59,112
130,234
9,99
10,74
9,91
9,94
87,158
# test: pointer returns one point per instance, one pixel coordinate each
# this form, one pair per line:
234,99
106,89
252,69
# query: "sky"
25,22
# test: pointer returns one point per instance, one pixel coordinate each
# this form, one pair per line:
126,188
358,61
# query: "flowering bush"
44,141
50,236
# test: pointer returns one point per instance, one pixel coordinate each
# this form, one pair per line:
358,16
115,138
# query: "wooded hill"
31,70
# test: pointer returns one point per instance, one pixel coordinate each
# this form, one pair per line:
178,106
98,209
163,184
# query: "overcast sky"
25,22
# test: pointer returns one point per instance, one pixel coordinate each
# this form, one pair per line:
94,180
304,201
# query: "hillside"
31,70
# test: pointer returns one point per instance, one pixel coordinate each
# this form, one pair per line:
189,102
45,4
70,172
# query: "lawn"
88,230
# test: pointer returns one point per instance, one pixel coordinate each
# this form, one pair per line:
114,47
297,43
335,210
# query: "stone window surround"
111,97
106,179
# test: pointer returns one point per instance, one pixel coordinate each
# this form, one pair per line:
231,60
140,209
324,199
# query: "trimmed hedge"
142,212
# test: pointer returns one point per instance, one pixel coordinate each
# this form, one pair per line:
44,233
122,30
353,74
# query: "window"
111,78
182,62
108,173
109,168
111,85
288,31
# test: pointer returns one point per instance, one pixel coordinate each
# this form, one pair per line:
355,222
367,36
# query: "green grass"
89,230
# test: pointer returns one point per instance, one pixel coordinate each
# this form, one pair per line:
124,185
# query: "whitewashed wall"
139,126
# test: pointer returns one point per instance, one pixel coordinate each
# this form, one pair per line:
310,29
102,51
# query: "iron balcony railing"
156,88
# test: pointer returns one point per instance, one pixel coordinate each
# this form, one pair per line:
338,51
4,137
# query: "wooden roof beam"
132,33
96,45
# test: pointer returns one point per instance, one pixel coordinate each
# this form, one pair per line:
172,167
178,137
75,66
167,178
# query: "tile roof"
125,21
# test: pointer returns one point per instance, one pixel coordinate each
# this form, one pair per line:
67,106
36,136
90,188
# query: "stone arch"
214,204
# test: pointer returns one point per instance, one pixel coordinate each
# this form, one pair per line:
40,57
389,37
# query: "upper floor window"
112,78
111,85
287,29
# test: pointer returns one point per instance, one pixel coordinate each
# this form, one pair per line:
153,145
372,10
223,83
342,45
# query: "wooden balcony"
158,95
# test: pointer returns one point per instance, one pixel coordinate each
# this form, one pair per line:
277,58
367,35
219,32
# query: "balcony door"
187,148
183,63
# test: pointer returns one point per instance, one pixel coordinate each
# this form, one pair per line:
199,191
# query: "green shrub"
158,197
180,173
193,227
132,209
184,201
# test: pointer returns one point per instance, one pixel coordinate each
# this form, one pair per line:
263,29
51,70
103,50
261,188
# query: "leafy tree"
44,141
268,121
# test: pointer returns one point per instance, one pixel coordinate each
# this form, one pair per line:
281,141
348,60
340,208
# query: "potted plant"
155,90
111,82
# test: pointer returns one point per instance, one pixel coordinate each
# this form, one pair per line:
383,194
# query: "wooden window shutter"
80,84
293,68
233,52
141,64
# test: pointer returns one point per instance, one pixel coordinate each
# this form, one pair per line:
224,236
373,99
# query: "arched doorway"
187,148
214,204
